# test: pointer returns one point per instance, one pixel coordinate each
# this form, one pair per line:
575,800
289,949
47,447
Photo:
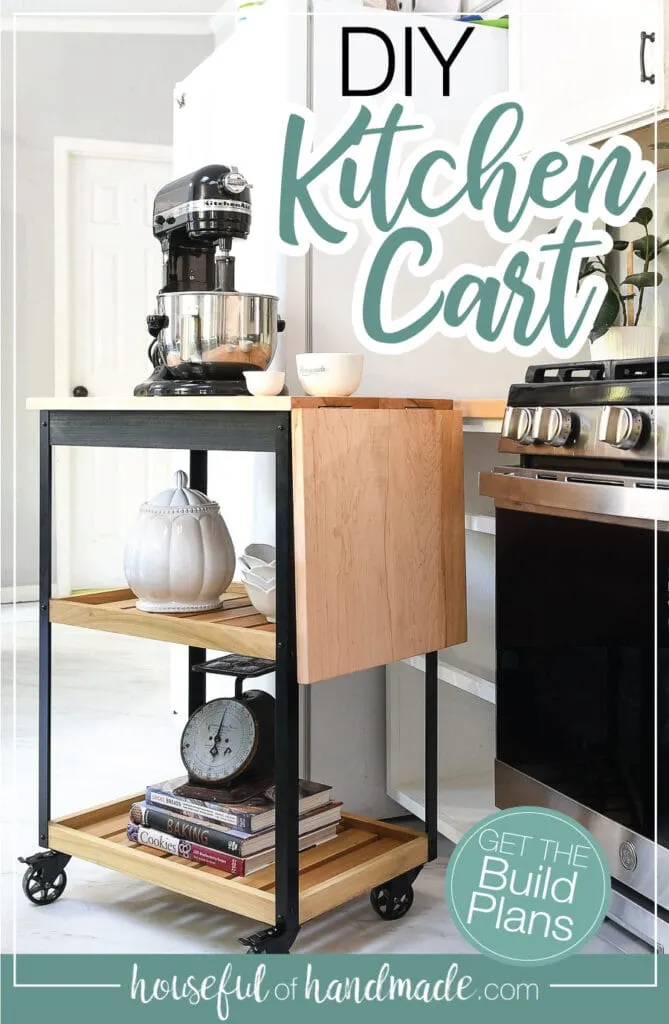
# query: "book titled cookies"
215,858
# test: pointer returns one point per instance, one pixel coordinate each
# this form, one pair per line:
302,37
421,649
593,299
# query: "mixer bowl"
217,335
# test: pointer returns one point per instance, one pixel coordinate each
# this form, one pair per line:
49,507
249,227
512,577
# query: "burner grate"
641,369
605,369
560,373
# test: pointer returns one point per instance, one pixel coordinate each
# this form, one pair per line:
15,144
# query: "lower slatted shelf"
365,853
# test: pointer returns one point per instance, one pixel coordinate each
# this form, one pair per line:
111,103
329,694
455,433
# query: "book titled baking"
224,838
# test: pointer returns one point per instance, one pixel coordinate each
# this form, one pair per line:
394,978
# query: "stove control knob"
517,425
621,426
554,426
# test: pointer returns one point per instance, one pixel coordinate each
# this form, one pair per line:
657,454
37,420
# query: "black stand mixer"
205,333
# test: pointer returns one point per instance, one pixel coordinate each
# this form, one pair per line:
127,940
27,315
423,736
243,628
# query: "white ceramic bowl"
330,374
264,554
261,575
258,581
264,601
265,382
250,563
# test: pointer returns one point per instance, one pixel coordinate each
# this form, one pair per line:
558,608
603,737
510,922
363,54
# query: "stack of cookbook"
237,838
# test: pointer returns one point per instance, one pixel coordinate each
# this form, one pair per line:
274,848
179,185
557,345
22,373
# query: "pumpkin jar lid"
180,499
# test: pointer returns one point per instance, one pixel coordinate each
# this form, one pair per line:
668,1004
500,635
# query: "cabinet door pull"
646,37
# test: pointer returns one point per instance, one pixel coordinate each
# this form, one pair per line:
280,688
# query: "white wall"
88,85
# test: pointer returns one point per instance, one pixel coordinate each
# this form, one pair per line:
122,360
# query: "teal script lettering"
383,175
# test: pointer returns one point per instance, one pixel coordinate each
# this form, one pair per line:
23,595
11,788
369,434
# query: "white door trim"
64,150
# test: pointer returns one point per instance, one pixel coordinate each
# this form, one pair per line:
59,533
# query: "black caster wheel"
40,891
45,879
277,939
389,906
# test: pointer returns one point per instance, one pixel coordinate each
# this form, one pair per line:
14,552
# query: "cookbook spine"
182,848
192,831
199,809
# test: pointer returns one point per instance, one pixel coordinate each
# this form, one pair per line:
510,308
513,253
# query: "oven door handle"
630,501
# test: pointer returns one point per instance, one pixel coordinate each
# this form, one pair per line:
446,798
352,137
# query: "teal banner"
342,989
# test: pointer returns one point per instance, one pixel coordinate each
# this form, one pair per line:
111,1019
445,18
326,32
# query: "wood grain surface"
481,408
236,627
379,536
365,853
478,408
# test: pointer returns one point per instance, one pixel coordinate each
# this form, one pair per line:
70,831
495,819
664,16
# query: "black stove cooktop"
603,382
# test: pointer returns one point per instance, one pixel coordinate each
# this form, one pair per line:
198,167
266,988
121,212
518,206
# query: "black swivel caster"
271,940
45,879
389,907
394,899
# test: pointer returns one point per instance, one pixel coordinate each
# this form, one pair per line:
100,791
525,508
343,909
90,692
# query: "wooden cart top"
476,408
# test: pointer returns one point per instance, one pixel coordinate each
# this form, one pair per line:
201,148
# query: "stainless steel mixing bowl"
216,335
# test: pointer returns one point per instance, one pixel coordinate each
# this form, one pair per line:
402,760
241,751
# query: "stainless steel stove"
582,615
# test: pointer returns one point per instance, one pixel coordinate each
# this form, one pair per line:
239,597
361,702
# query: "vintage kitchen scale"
206,333
227,745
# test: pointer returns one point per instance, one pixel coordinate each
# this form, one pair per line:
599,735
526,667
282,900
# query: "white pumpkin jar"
179,557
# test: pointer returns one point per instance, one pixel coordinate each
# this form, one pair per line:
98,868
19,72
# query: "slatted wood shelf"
236,627
365,853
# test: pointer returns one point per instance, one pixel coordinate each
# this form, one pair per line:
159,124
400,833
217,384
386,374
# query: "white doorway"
108,269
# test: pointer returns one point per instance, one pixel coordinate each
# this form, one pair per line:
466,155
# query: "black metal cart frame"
200,432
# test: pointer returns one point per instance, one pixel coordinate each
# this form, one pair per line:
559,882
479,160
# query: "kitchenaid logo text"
359,182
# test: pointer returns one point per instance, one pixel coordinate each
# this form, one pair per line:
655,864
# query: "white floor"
112,732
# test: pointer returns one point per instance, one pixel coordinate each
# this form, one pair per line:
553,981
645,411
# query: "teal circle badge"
528,885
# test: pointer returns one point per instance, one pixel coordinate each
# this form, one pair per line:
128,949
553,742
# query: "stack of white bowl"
259,574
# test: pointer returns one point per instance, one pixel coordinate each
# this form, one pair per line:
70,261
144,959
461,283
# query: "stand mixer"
205,333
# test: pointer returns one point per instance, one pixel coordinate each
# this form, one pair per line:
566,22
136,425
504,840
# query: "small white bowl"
265,382
265,554
266,573
330,374
250,563
264,601
259,581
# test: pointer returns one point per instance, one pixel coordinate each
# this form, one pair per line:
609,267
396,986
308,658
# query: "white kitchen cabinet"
577,66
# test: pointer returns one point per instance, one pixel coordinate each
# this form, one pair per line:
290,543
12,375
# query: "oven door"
576,599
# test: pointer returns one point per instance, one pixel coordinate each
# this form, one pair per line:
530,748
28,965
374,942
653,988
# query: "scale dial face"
219,740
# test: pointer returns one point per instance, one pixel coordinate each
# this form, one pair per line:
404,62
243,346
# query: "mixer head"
195,219
213,202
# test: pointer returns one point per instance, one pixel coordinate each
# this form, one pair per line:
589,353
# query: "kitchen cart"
370,569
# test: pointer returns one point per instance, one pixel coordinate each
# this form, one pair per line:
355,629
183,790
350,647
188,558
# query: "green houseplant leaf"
607,315
642,216
588,267
644,247
619,245
646,279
